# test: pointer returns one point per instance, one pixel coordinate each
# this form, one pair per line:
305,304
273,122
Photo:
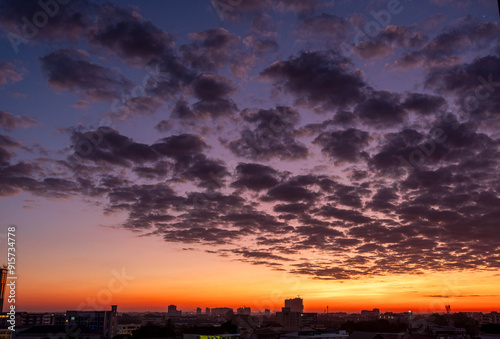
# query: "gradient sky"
232,153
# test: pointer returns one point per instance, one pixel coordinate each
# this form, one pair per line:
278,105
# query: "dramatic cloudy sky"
244,151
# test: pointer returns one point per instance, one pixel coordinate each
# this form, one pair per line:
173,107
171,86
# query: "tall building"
104,322
172,311
3,283
243,310
291,321
207,311
198,311
309,319
491,318
221,311
295,305
34,319
372,315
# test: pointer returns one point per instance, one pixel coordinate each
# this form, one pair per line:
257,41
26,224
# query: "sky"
241,152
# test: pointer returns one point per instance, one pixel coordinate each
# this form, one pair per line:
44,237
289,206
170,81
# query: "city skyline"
241,152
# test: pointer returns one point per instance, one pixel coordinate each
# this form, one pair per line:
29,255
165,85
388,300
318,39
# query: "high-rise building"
34,319
289,320
207,311
105,322
198,311
372,315
491,318
309,319
295,305
221,311
172,311
3,283
243,310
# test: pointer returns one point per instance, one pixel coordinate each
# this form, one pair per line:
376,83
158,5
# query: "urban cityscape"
291,322
249,169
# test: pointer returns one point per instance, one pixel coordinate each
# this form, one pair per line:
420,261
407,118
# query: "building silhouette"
308,319
3,283
221,311
173,312
104,322
288,319
243,310
295,305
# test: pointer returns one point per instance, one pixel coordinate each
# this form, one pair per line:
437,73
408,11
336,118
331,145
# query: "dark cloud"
213,92
169,77
382,109
390,40
409,149
345,215
299,6
314,129
207,87
446,47
208,172
210,50
323,26
372,49
263,26
7,142
139,105
182,148
146,204
240,10
105,145
296,208
416,189
272,136
347,195
10,72
424,104
474,85
344,146
164,125
9,122
318,78
246,253
124,33
255,177
323,271
384,200
70,69
262,46
291,193
67,21
158,171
